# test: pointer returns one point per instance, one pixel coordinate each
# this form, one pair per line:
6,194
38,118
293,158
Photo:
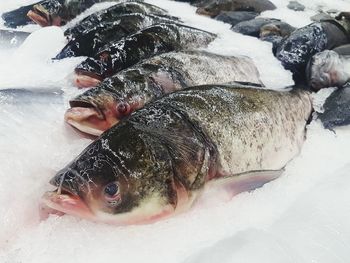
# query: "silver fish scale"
253,129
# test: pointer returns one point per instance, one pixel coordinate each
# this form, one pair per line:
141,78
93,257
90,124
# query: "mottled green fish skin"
186,139
167,73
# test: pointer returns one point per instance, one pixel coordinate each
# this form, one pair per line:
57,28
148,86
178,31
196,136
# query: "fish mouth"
41,16
61,202
89,73
86,117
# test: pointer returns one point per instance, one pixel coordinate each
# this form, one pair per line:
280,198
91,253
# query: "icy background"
301,217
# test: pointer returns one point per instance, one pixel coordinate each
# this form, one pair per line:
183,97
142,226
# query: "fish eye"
123,109
111,191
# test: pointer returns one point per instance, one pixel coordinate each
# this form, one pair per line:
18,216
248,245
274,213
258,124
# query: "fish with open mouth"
93,38
18,17
157,162
146,43
98,109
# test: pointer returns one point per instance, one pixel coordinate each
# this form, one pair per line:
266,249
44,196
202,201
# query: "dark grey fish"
18,17
59,12
157,162
89,41
151,41
98,109
235,17
214,7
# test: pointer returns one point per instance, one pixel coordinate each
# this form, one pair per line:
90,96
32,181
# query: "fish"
158,162
146,43
58,12
327,69
93,38
99,108
11,38
235,17
213,8
112,14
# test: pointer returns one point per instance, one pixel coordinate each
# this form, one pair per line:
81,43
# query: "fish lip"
40,16
87,104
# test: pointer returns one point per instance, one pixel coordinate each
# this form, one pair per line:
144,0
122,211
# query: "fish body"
146,43
93,38
98,109
157,162
112,14
214,7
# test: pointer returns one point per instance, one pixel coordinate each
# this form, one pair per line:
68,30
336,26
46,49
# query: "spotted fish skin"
161,157
88,41
151,41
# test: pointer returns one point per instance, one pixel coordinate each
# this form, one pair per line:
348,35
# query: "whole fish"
98,109
93,38
157,162
214,7
58,12
112,14
146,43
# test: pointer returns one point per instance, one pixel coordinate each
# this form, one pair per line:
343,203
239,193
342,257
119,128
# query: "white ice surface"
301,217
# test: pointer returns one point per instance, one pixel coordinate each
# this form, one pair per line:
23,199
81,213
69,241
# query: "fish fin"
225,188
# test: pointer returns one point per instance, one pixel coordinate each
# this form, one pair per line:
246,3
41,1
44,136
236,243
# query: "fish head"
326,69
91,72
124,177
48,13
102,107
211,9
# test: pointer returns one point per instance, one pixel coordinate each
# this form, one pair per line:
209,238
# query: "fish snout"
90,73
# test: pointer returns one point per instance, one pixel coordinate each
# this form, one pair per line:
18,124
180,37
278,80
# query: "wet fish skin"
58,12
151,41
17,17
214,7
134,87
162,156
113,13
90,40
336,109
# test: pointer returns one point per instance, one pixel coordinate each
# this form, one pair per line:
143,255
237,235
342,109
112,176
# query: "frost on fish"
296,50
151,41
157,162
87,42
117,97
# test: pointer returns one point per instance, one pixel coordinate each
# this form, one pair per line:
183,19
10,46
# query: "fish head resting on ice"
326,69
125,177
100,108
48,13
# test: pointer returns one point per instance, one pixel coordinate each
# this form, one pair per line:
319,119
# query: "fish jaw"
90,72
89,121
46,13
85,81
61,204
